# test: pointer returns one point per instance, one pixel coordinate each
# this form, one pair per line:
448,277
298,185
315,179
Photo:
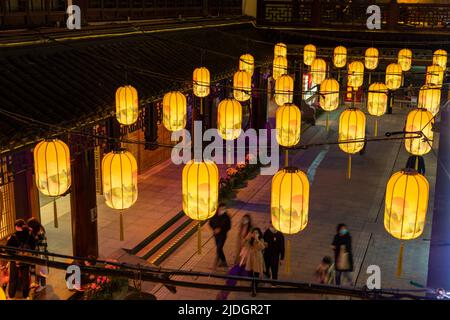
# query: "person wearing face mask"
221,224
274,252
244,229
342,246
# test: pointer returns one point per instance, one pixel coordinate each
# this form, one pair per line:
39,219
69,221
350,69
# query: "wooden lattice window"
7,210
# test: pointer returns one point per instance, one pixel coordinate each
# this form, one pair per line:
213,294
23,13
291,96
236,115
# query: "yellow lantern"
2,295
229,119
247,63
127,105
405,59
174,111
242,85
280,50
119,178
377,99
329,94
406,207
200,180
284,89
201,82
429,98
371,58
419,120
435,76
288,124
52,167
440,58
309,54
355,74
280,65
340,56
393,76
318,71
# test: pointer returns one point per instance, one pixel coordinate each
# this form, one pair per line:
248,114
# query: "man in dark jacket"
274,251
221,224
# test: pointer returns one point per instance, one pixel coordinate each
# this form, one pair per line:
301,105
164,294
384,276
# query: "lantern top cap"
119,151
409,171
290,169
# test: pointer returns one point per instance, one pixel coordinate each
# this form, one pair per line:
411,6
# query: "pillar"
315,14
83,203
259,100
392,15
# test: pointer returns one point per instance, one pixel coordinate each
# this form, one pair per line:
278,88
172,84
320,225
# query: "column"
392,15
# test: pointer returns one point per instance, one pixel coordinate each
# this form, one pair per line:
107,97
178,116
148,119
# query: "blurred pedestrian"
40,271
244,229
274,252
325,271
221,224
343,255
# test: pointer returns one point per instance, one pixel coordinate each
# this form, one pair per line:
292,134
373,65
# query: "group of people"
15,275
262,253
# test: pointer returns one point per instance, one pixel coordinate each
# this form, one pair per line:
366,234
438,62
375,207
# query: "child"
325,272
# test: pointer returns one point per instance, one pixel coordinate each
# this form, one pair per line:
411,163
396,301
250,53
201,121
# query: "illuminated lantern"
284,90
318,71
247,63
52,167
280,50
229,119
393,76
340,56
119,178
329,94
2,295
352,127
309,54
377,100
289,203
405,59
406,207
201,82
440,58
419,120
355,74
242,85
429,98
371,58
288,123
435,76
280,65
127,105
174,111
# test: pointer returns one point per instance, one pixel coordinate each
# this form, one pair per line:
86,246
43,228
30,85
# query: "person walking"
19,272
40,271
252,256
274,252
343,255
325,271
220,224
244,229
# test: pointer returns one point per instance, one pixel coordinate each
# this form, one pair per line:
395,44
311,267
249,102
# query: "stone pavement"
358,202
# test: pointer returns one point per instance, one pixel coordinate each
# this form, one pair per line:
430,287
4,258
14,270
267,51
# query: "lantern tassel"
349,167
121,226
55,213
370,77
286,157
376,128
400,261
339,75
327,122
288,256
416,165
199,238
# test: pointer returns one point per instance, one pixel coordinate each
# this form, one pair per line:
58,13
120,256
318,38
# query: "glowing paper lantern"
329,94
377,99
393,76
440,58
247,63
289,200
200,181
242,85
201,82
355,74
352,126
318,71
435,76
280,65
429,98
284,90
174,111
419,120
340,56
280,50
52,167
405,59
2,295
309,54
127,105
229,119
288,124
371,58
